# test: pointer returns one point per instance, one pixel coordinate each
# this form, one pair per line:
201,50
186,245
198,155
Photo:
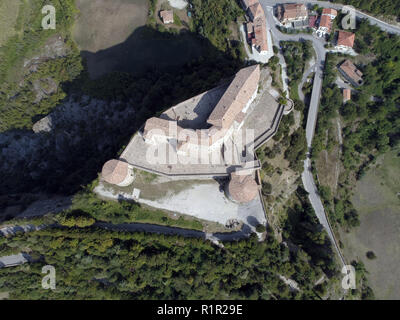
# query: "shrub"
260,228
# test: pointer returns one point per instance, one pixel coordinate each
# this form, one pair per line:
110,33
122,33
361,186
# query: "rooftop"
351,71
167,16
294,11
248,3
329,11
346,39
346,95
325,22
235,97
114,171
242,188
256,11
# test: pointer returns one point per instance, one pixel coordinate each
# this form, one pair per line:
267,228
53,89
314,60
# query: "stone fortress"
209,136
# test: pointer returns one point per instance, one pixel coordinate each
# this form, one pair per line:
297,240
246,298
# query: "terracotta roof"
351,71
312,21
242,188
346,95
325,22
294,11
248,3
346,38
260,34
161,126
114,171
235,97
329,11
256,10
167,16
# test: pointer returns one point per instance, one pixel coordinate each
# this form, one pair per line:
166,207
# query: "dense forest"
22,77
385,7
93,263
98,264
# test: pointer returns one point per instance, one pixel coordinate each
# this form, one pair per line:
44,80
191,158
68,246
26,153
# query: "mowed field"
377,199
113,36
103,23
8,17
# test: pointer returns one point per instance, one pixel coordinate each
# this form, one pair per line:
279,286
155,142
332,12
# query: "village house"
312,22
350,72
325,26
331,13
345,40
242,187
292,12
346,95
326,21
255,11
257,27
118,173
247,3
167,16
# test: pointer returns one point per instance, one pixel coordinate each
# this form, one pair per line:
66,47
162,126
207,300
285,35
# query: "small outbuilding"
346,95
118,172
167,16
242,187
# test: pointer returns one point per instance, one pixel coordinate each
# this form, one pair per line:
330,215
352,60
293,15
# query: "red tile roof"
312,21
351,71
346,38
346,95
235,97
256,11
260,34
294,11
329,11
248,3
325,22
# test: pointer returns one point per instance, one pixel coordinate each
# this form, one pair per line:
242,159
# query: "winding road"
307,176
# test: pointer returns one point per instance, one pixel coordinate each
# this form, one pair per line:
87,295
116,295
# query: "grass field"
378,203
114,37
102,23
8,17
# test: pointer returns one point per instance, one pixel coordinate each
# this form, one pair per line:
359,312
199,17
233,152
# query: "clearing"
102,24
114,37
377,201
8,17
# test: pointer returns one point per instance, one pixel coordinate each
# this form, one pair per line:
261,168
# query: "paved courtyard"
202,199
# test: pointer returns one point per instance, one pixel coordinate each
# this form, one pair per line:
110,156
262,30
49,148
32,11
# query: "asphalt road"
307,177
306,74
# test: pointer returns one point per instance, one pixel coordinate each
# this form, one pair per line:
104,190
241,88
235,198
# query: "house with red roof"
331,13
325,26
345,40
